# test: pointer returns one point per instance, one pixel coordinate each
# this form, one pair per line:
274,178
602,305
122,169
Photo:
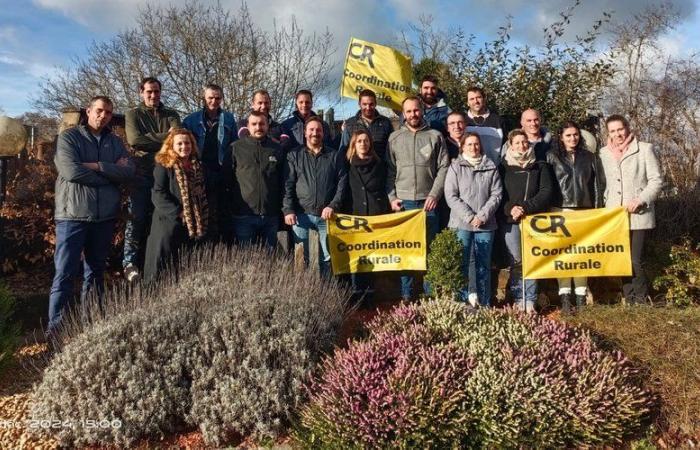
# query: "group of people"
211,178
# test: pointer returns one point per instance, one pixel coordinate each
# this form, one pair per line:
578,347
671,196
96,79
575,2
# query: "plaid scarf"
195,210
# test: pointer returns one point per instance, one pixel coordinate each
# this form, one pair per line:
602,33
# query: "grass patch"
664,340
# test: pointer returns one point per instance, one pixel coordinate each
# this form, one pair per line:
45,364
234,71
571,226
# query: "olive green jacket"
146,129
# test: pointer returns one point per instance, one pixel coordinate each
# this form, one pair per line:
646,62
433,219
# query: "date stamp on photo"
58,424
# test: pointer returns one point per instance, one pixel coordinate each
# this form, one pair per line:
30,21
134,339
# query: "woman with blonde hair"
367,180
180,202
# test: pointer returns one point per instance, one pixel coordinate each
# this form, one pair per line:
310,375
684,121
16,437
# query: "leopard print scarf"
195,209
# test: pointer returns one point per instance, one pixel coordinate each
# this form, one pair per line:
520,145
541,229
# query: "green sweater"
146,129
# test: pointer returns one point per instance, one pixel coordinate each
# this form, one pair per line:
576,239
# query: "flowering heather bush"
529,382
225,347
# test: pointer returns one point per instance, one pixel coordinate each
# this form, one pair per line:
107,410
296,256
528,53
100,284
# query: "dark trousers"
139,223
73,239
255,229
636,288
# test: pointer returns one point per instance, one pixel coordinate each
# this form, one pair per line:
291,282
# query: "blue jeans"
73,238
139,223
476,247
306,222
514,258
252,229
432,226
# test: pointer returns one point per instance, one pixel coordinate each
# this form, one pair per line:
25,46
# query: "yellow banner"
382,69
584,243
377,243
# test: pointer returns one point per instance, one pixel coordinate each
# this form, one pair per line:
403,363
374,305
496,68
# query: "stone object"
13,136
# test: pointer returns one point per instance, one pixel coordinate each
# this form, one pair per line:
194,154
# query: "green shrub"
445,264
9,331
225,347
681,277
523,381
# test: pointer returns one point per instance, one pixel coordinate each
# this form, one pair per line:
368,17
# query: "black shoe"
580,301
565,303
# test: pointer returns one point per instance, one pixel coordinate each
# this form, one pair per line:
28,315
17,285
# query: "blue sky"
36,36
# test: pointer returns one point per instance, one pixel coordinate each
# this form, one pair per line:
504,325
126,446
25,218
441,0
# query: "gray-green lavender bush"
224,346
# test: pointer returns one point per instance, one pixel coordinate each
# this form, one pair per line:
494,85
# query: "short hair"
476,89
257,114
430,78
304,92
312,118
352,150
456,113
469,134
412,98
166,156
214,87
367,93
617,118
146,80
539,116
260,92
104,98
516,132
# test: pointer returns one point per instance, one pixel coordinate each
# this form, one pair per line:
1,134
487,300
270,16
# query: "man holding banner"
417,164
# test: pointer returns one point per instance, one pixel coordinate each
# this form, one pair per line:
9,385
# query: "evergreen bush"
445,264
523,381
9,330
224,345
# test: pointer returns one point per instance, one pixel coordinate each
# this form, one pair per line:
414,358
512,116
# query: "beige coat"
636,175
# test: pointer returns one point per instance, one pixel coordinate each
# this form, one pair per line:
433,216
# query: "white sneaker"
473,300
530,307
131,273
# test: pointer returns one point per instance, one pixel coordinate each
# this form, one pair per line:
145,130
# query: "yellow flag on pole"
377,243
382,69
583,243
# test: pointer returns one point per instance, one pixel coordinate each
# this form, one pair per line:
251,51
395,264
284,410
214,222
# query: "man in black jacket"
367,118
315,182
256,194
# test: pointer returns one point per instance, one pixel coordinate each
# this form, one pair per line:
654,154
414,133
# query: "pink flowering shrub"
440,375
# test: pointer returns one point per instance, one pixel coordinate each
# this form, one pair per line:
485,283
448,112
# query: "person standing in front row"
577,175
633,179
367,182
473,191
146,126
91,162
181,213
417,163
315,183
257,184
527,189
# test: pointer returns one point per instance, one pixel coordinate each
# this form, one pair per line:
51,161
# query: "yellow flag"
377,243
583,243
382,69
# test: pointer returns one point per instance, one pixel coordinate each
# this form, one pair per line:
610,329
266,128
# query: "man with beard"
421,155
434,106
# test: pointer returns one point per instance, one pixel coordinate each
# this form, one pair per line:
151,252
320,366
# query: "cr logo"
555,222
355,223
365,53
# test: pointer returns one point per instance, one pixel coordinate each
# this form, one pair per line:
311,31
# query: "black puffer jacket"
530,187
578,181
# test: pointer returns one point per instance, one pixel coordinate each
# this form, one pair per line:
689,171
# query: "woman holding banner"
528,186
367,180
473,191
633,179
576,171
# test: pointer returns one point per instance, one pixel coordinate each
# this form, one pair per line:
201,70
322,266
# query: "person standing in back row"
147,126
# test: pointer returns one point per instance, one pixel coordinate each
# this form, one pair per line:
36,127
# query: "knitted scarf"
618,150
474,161
195,210
514,158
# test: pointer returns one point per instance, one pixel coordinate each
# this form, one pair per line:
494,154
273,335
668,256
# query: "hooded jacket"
84,194
417,163
473,192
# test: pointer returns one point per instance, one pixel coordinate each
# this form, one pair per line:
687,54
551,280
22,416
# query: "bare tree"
189,46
